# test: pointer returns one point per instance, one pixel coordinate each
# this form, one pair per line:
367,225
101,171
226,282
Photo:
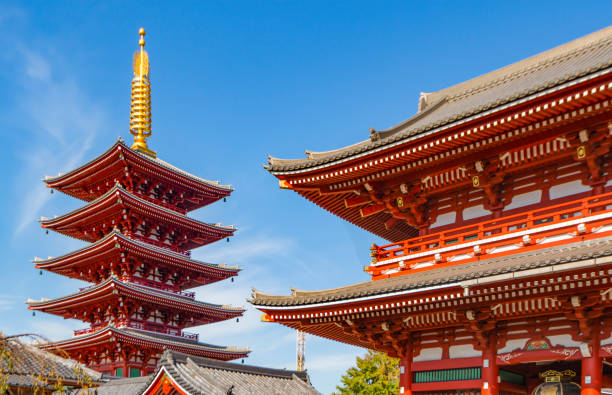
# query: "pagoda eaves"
131,214
92,347
135,302
139,173
120,255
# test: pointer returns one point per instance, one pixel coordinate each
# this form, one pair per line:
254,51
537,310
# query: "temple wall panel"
568,188
475,212
463,351
563,340
525,199
512,345
429,354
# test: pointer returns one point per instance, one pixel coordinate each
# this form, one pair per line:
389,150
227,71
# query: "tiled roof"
119,386
158,161
118,188
198,375
164,341
33,367
210,377
579,58
542,258
141,289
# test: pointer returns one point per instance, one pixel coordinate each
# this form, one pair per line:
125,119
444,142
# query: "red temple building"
496,201
139,256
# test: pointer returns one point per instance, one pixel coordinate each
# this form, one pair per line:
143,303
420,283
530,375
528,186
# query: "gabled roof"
146,339
586,57
31,367
116,197
507,267
204,376
116,242
117,157
113,288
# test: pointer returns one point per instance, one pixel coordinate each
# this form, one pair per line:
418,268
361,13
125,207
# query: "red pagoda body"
139,256
496,200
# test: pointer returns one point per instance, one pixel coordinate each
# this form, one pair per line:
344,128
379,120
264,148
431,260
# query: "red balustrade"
156,285
577,217
143,326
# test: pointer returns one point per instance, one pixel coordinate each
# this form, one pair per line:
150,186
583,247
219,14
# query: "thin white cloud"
64,123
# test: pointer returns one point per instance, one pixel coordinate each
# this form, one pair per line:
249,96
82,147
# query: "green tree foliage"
375,374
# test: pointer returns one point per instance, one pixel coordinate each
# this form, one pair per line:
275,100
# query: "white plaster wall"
569,188
429,354
512,345
563,340
464,351
525,199
606,341
475,212
445,219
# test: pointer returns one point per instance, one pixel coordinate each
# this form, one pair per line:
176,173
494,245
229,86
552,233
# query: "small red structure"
496,198
139,256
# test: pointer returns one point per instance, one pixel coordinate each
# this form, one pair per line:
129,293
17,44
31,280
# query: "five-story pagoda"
139,256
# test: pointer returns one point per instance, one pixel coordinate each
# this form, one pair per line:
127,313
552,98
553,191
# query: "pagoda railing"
91,329
156,328
157,286
142,326
157,243
540,226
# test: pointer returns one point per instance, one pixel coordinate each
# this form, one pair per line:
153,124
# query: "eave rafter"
470,315
137,217
120,301
453,154
138,174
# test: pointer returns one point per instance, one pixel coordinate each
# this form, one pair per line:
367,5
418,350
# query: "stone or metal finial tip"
140,116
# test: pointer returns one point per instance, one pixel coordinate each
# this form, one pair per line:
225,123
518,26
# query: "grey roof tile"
584,56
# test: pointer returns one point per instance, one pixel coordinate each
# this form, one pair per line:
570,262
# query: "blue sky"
232,82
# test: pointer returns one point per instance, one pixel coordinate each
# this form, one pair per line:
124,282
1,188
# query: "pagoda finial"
140,114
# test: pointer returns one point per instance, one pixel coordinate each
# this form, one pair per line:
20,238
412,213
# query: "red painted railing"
143,326
575,218
156,285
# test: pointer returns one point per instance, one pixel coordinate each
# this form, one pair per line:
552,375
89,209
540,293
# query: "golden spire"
140,114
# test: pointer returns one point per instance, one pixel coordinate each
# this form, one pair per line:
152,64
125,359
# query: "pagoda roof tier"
114,292
111,337
100,258
570,62
122,164
532,283
127,212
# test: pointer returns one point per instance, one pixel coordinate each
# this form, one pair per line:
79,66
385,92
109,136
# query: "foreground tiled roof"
206,376
31,367
210,377
542,258
585,56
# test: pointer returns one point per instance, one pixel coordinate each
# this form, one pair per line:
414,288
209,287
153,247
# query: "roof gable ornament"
140,112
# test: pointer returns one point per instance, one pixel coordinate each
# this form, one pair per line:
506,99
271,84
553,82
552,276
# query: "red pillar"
405,379
490,371
592,366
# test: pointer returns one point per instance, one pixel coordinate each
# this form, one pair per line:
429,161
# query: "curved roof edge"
563,64
155,161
